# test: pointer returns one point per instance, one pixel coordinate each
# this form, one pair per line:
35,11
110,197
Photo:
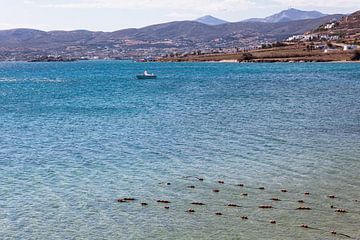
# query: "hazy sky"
109,15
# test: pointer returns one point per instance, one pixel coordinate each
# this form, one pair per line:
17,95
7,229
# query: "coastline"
294,53
205,61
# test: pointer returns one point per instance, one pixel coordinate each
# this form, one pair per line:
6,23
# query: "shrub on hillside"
356,56
246,57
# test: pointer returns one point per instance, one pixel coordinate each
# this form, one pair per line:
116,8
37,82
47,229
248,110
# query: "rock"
303,208
233,205
265,206
340,211
123,200
129,199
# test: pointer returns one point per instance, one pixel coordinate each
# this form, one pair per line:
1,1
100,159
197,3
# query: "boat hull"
145,77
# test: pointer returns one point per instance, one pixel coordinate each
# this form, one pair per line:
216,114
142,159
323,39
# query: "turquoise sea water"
74,137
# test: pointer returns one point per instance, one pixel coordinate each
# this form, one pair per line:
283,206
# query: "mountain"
181,36
210,20
197,32
291,14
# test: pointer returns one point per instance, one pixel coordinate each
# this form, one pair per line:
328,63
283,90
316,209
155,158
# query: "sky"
111,15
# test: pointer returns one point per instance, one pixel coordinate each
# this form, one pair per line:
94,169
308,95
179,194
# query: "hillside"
182,36
289,15
348,28
289,53
195,31
210,20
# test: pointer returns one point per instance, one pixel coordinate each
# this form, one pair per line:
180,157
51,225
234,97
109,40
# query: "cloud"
213,5
319,4
4,25
181,15
189,5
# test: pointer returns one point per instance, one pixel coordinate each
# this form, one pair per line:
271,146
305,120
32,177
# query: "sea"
77,137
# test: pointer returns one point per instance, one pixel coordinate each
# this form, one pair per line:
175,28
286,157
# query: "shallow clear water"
77,136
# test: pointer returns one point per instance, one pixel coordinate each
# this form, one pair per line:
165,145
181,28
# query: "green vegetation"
245,57
356,56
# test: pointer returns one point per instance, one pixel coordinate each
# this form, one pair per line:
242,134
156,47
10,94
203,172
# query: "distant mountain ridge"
288,15
154,40
210,20
184,30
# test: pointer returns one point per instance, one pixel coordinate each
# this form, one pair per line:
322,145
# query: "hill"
291,14
225,34
348,28
181,36
210,20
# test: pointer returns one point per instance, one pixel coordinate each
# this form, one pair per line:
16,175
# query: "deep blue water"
74,137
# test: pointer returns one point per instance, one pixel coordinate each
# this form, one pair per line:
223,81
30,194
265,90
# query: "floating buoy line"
303,205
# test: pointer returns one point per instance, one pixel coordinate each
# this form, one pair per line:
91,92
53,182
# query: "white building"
329,26
328,50
350,47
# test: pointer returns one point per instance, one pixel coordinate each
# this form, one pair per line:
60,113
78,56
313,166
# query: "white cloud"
116,14
173,16
190,5
4,25
320,4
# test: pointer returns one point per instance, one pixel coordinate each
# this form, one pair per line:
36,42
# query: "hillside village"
336,40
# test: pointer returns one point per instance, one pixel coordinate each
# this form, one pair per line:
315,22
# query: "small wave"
48,80
9,80
45,80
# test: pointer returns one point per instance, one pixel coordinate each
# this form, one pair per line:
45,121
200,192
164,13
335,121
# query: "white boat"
146,75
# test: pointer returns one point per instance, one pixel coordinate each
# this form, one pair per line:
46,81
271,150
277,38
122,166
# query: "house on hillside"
329,25
329,50
349,47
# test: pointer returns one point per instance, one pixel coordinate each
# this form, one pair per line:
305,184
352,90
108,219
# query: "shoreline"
235,61
209,61
292,54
